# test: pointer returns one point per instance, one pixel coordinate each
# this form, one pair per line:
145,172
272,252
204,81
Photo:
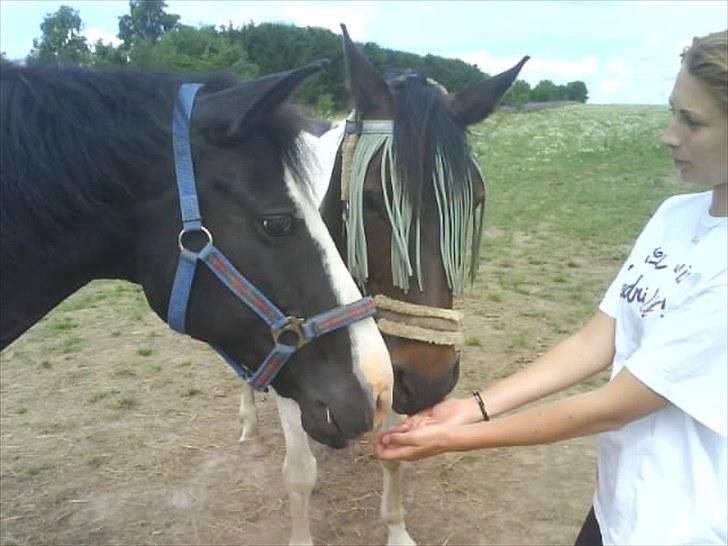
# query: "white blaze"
372,365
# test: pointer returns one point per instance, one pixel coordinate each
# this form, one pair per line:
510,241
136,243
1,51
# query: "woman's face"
698,133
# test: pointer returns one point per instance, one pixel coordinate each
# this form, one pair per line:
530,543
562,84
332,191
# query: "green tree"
187,49
61,41
577,91
454,74
147,20
518,95
545,91
106,55
277,47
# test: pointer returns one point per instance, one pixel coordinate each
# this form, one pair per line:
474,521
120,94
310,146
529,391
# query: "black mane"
79,143
423,125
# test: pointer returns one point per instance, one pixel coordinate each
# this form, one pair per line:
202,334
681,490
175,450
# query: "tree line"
149,37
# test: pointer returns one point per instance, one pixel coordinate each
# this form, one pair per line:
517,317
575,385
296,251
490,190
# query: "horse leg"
392,509
299,469
248,415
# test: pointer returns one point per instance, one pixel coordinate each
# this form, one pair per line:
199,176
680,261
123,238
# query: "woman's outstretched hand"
415,438
452,411
426,433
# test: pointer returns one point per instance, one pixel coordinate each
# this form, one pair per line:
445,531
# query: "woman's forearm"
572,360
552,422
609,407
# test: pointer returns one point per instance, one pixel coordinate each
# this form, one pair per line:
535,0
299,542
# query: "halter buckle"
295,326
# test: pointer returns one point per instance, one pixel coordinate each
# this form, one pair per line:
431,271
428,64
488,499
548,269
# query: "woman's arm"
570,361
622,400
588,351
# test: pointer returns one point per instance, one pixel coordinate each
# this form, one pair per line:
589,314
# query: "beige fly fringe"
454,204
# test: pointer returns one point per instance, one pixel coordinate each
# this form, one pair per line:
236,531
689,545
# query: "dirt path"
127,434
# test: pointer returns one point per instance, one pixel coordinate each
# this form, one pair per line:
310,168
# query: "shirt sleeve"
685,358
610,301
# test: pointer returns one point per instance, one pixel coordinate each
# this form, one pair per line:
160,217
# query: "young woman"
663,326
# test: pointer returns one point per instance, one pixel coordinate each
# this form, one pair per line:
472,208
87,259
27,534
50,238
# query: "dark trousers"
590,535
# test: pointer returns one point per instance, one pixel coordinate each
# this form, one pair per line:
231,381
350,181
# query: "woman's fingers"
411,445
394,446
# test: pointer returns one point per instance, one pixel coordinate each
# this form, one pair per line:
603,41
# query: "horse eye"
277,225
373,203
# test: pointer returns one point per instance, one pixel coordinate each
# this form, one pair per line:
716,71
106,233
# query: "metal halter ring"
185,231
294,325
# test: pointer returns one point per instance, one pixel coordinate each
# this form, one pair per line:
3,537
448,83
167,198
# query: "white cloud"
618,67
94,34
328,15
354,15
610,86
560,71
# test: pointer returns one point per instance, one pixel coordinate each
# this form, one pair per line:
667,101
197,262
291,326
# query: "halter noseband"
304,330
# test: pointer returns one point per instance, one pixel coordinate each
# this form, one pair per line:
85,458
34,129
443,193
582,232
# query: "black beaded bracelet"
481,404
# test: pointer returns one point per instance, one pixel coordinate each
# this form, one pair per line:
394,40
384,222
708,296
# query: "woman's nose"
669,136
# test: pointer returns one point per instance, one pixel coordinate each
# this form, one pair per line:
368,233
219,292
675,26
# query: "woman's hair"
707,60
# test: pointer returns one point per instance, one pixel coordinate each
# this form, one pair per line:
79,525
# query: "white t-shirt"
662,479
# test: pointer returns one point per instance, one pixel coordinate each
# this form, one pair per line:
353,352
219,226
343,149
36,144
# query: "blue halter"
304,330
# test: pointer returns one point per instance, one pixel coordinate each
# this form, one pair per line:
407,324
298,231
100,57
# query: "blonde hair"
707,60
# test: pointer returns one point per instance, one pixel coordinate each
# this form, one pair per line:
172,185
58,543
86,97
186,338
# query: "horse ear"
229,113
477,102
364,82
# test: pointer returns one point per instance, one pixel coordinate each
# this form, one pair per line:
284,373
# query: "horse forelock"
434,164
424,128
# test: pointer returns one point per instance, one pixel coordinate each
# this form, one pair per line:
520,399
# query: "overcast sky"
625,52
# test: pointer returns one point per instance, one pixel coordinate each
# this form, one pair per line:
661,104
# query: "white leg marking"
299,469
392,509
248,415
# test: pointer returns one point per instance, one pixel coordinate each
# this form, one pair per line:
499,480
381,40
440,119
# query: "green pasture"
568,190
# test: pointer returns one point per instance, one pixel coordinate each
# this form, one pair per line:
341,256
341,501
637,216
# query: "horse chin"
414,393
345,415
324,430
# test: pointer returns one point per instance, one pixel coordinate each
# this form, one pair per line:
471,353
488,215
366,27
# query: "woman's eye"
277,225
690,122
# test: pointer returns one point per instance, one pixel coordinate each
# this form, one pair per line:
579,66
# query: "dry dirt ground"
114,430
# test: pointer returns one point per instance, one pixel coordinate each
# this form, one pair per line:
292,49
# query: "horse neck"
37,277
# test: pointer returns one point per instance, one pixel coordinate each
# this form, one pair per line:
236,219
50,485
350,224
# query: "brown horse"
404,203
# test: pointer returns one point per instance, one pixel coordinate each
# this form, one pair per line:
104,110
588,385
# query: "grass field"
569,190
107,418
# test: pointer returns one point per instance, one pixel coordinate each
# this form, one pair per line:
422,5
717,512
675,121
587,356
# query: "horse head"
406,211
263,272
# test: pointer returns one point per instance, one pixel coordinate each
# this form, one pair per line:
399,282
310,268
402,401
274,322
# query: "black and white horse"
133,175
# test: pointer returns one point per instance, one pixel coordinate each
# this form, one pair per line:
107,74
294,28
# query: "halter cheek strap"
301,330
